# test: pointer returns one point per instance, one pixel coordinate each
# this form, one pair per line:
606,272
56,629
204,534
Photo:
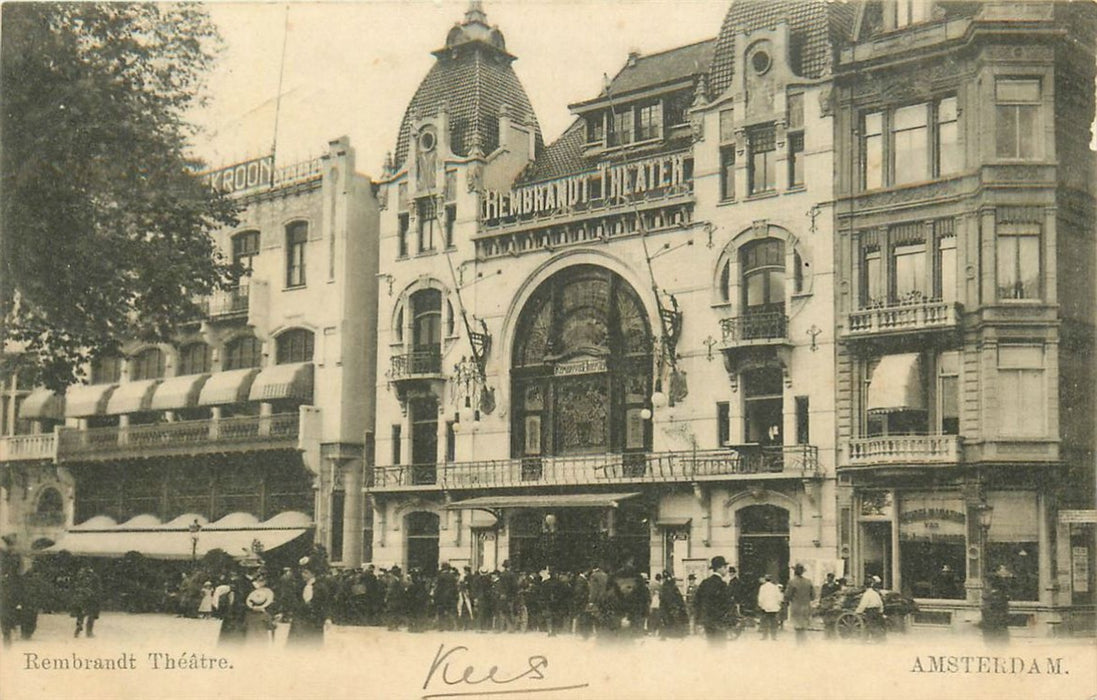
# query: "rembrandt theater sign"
626,183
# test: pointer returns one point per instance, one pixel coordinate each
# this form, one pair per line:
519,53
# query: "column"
351,472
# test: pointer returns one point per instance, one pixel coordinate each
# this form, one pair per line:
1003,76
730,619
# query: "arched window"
581,368
725,282
194,359
295,345
763,265
398,328
243,352
147,364
426,331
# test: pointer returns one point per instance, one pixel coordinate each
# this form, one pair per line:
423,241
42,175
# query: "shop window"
147,364
1018,260
194,359
1017,113
106,370
295,345
245,246
1013,542
297,236
1022,391
727,172
762,172
243,352
427,220
932,539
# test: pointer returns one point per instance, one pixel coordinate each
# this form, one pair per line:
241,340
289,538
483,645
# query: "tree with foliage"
106,228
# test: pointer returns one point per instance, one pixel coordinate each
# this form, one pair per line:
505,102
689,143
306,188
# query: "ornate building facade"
250,426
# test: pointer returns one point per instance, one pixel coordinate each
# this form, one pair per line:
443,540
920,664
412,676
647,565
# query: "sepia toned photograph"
556,349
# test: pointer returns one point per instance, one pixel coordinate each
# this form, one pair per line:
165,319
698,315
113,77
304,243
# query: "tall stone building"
965,305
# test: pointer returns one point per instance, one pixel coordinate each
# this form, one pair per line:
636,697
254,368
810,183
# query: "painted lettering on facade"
608,185
260,174
580,367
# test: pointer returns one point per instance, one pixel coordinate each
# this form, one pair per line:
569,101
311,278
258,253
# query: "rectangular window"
451,442
297,235
727,125
796,111
649,121
1018,114
803,421
723,423
403,223
872,291
245,246
910,143
451,220
949,156
946,269
763,171
428,223
909,266
727,172
397,443
1018,261
948,393
1022,394
596,128
872,151
796,160
621,128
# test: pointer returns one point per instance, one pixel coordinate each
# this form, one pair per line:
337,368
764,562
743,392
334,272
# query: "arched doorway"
763,543
50,509
422,539
581,368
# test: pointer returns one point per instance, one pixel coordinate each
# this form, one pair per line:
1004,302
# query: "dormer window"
621,128
649,121
596,128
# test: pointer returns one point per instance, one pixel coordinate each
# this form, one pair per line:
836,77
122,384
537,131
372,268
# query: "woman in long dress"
258,623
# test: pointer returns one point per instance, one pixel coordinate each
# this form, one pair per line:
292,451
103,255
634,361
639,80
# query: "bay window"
1018,260
910,143
1017,114
1022,391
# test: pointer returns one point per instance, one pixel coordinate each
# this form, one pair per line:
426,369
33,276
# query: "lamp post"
986,517
194,528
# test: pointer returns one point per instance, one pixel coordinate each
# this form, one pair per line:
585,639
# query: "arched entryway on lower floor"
763,542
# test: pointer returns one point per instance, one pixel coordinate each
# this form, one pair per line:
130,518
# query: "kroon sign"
260,174
609,184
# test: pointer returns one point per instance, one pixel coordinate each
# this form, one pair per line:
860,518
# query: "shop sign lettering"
568,369
249,175
609,184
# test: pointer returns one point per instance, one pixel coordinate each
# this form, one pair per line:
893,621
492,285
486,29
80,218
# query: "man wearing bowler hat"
711,603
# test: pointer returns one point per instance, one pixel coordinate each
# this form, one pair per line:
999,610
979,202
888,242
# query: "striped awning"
292,381
227,387
132,397
897,385
42,404
87,400
178,392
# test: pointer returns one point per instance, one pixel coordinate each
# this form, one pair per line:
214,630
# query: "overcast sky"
352,67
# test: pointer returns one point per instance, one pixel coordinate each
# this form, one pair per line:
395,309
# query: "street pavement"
159,656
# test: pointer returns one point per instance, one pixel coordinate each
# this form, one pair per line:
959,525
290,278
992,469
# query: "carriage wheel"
850,625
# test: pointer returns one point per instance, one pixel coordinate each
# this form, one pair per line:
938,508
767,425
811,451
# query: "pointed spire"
476,13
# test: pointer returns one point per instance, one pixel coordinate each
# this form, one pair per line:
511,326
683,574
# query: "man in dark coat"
86,596
995,608
311,609
711,602
445,597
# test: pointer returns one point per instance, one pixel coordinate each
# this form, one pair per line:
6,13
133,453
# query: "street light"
194,528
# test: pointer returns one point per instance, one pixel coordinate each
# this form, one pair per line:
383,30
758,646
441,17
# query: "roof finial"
476,13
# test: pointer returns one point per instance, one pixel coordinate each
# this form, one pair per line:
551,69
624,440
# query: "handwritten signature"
451,669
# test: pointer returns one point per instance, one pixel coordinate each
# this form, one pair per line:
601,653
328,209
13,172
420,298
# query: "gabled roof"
671,66
816,29
472,79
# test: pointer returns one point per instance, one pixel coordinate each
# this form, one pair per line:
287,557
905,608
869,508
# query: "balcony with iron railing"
413,365
246,433
742,462
754,329
17,448
903,449
229,303
915,314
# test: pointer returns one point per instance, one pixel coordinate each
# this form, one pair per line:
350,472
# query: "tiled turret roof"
816,29
472,79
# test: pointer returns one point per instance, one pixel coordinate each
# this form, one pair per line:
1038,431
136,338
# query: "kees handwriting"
453,670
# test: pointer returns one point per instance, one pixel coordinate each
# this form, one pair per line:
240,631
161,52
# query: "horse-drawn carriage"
839,612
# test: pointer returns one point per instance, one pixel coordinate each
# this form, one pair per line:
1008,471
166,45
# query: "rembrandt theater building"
795,294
